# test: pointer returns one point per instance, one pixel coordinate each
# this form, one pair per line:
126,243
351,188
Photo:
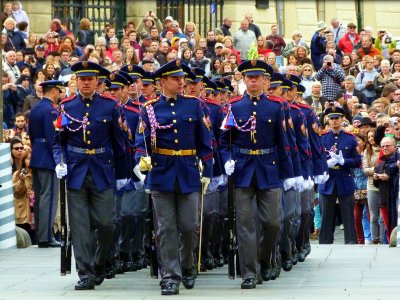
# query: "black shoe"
170,288
188,279
249,283
287,265
109,273
51,244
274,274
99,279
266,274
301,256
294,259
219,262
208,263
308,248
162,284
99,275
259,279
85,284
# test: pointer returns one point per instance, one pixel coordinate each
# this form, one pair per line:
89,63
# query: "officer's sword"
201,228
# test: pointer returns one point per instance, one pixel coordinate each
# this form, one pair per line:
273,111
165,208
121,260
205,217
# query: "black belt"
87,151
256,151
39,140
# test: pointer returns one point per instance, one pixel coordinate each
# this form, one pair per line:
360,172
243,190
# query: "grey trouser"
90,210
210,213
289,209
177,220
373,204
269,215
46,188
327,204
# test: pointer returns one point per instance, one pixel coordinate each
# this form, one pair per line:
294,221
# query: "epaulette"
275,98
131,108
190,96
150,102
303,105
323,132
108,97
212,101
349,133
68,99
236,99
292,105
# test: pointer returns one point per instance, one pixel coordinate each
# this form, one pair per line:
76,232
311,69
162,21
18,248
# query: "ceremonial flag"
228,122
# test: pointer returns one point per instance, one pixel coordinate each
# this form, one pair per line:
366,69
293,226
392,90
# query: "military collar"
170,98
253,97
90,98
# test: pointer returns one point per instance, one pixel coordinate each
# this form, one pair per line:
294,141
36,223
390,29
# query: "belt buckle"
177,152
254,152
90,151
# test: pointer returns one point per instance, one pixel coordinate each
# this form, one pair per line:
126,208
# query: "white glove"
332,162
121,183
218,180
310,183
229,167
61,170
318,179
205,181
288,183
326,177
139,174
339,157
299,182
138,185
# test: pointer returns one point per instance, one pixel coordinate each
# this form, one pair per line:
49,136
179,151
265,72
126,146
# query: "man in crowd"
253,27
331,76
317,45
243,38
349,40
226,26
338,30
279,43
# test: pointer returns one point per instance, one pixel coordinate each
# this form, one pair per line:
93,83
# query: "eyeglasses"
397,94
18,148
387,146
113,43
307,70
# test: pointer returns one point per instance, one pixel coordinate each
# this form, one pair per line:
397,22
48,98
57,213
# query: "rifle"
153,249
65,263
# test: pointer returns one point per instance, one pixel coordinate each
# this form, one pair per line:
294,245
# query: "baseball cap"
169,18
217,45
39,47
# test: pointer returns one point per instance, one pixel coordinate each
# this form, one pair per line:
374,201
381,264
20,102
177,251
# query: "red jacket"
346,45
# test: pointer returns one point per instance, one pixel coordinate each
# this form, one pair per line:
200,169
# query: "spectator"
31,100
191,35
386,180
149,21
238,81
331,76
24,89
396,98
19,14
253,27
131,56
279,43
370,159
72,88
271,60
330,49
200,61
85,33
66,74
55,26
377,62
167,25
228,43
226,26
211,41
347,65
350,91
292,46
261,49
20,125
243,38
118,61
350,39
338,30
10,66
365,79
316,100
161,54
113,46
367,48
382,78
10,100
388,91
110,33
176,31
6,13
15,40
307,79
149,56
155,34
32,41
385,43
317,45
186,56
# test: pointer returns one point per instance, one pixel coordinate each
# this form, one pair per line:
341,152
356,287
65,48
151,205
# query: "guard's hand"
326,177
299,183
205,181
288,183
121,183
138,185
339,157
332,162
61,170
229,167
145,164
139,174
310,183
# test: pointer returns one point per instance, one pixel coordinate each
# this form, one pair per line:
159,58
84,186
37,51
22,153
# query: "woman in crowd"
113,46
360,194
215,65
261,48
365,79
68,40
307,79
85,34
271,60
191,35
370,159
131,57
377,62
50,71
292,46
228,43
32,41
383,78
186,56
347,65
301,55
316,100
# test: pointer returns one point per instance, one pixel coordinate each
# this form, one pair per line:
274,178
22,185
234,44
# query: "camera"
24,171
90,51
31,58
329,64
388,40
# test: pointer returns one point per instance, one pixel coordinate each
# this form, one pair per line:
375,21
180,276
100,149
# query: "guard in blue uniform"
89,149
342,156
254,149
171,137
148,88
135,89
45,184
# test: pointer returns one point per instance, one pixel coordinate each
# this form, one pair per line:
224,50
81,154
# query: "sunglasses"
18,148
307,70
351,27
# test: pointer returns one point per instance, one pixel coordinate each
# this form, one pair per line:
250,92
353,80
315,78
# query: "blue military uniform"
45,184
340,184
92,142
255,138
175,133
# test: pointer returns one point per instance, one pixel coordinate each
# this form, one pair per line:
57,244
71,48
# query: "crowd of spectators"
341,66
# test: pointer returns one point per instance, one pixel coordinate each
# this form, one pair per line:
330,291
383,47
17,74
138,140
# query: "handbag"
360,196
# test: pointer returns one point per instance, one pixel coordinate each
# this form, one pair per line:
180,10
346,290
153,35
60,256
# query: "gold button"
155,164
88,123
88,142
255,131
173,112
172,104
190,119
240,120
335,137
88,132
87,114
176,141
269,121
255,103
273,162
255,142
175,130
109,161
174,121
104,120
254,113
87,104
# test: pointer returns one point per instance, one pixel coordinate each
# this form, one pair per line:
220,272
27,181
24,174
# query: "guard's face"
87,85
254,83
147,89
336,123
115,93
135,88
172,84
194,89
